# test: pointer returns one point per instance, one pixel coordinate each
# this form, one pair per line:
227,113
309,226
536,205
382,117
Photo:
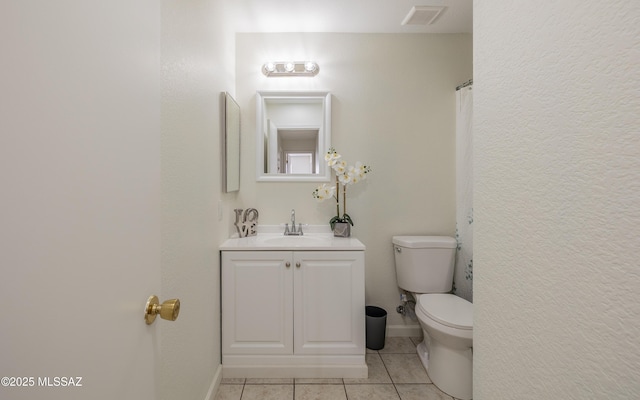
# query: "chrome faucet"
293,231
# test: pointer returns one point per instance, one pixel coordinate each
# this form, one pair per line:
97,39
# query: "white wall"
197,65
557,200
393,108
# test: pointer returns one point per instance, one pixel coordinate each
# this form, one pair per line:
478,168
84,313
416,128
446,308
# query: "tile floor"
395,373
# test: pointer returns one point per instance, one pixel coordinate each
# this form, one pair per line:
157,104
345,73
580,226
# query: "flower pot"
342,229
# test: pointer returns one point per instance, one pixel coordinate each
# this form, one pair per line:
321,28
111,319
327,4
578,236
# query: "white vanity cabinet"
293,314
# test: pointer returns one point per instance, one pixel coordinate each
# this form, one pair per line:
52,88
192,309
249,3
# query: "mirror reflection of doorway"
299,163
297,150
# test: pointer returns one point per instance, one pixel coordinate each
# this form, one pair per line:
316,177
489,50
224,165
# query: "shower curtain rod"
467,83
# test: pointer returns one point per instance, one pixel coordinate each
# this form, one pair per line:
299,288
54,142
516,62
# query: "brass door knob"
168,310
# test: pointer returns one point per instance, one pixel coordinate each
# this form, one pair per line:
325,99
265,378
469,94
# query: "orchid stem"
337,196
344,201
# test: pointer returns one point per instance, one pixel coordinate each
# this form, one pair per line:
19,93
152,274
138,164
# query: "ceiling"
365,16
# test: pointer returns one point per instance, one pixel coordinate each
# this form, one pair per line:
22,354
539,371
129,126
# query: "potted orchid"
345,176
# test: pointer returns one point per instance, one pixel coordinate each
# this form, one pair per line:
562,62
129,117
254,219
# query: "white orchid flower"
340,167
345,179
361,170
332,157
354,175
324,192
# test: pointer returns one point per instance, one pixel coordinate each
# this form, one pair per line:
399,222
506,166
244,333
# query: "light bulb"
270,67
310,66
289,67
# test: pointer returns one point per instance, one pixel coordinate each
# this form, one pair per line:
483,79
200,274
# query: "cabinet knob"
298,264
287,264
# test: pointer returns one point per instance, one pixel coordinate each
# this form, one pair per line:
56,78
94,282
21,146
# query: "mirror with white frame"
293,132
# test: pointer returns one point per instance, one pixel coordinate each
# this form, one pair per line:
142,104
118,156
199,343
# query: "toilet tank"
424,264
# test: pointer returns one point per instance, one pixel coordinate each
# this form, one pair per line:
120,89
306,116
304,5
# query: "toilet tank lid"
425,242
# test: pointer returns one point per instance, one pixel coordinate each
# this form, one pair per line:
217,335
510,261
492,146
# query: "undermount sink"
271,238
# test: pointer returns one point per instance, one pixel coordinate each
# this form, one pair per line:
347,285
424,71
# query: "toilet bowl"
424,268
447,349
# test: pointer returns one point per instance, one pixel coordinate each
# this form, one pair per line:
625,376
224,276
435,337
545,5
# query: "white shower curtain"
463,278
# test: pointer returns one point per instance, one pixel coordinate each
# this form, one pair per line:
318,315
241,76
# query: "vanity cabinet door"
257,309
329,309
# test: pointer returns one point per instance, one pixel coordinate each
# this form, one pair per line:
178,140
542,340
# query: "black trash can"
376,327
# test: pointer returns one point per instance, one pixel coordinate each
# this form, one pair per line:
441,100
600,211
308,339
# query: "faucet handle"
300,229
286,228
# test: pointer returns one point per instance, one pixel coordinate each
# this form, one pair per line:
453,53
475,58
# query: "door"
257,313
329,310
299,163
80,203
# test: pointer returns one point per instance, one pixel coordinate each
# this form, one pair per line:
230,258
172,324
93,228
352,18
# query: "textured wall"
557,200
393,99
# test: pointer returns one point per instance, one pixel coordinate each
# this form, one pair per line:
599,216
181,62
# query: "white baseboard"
296,371
295,366
404,331
215,384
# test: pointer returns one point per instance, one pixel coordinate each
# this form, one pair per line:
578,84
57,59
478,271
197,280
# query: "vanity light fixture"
290,68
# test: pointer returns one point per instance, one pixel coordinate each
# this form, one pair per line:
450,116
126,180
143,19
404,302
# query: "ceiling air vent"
422,15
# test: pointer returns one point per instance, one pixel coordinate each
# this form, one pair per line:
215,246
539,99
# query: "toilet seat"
447,309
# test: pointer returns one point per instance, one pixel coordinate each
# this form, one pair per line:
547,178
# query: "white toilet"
424,267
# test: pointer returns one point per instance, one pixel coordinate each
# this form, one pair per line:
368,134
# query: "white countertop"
271,237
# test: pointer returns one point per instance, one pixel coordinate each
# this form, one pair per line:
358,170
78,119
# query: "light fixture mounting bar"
290,68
